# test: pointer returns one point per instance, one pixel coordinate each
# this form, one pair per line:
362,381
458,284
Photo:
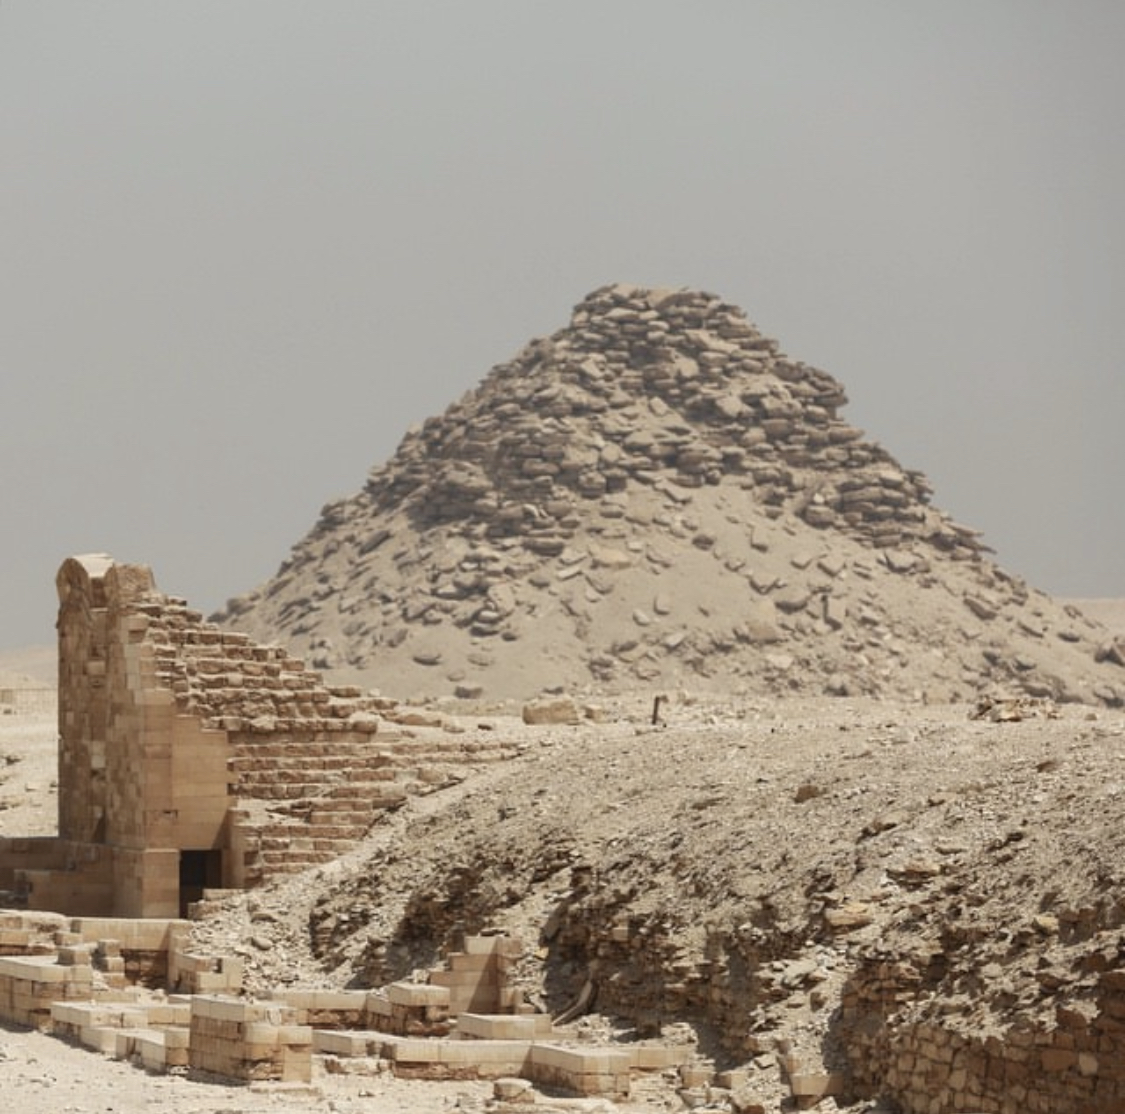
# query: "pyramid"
657,497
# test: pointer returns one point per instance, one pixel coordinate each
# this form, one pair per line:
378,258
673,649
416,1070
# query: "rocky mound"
656,496
923,899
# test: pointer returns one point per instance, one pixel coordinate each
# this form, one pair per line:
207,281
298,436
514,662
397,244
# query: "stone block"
347,1042
149,1047
558,710
378,1006
492,945
579,1060
816,1084
78,1014
126,1041
210,981
294,1036
33,969
186,961
261,1033
101,1039
410,1050
231,1009
487,1056
464,979
655,1057
417,994
75,955
503,1026
696,1075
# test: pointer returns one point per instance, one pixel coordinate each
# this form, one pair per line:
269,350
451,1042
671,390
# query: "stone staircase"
304,802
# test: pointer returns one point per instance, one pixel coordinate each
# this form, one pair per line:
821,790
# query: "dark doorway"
199,871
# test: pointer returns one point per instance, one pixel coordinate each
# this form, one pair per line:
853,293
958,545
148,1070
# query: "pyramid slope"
656,496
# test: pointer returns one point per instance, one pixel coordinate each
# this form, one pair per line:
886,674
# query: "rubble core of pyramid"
657,495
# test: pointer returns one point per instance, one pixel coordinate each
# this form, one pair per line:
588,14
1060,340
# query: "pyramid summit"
656,495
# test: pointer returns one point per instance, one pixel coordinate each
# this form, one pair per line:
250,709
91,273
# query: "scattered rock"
807,791
849,916
1112,650
555,710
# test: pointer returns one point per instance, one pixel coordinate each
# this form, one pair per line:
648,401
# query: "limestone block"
557,710
324,1000
658,1057
509,1089
410,1050
215,1008
816,1084
378,1005
347,1042
458,983
33,969
503,1026
417,994
100,1039
489,1057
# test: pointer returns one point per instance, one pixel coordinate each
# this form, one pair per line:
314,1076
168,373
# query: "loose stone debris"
656,496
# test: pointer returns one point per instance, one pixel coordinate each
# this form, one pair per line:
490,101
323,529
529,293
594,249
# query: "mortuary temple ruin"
192,758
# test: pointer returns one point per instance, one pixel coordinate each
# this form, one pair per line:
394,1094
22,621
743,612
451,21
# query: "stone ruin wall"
104,984
134,777
182,740
891,1033
1072,1063
178,737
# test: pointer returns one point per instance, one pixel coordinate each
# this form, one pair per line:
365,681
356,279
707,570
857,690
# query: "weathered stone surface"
1113,650
557,710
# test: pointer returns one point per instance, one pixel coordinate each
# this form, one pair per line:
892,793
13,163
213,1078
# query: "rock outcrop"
656,495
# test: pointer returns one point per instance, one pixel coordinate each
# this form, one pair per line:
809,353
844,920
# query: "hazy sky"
244,245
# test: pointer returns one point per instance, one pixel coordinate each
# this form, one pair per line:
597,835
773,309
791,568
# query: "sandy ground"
29,665
28,773
42,1075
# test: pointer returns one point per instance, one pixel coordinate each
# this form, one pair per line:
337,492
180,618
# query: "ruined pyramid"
656,498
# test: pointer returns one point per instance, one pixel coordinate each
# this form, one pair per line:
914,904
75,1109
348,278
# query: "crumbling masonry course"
192,757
